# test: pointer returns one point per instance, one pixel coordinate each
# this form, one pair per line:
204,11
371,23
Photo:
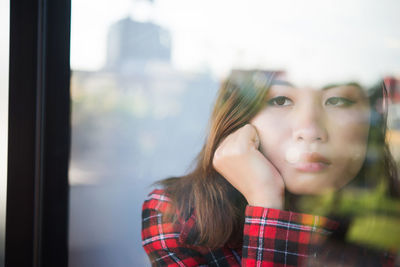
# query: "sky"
329,37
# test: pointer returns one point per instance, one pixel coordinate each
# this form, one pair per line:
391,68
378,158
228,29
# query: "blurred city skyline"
218,36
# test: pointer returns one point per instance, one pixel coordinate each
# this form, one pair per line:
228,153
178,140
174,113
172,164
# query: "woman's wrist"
266,201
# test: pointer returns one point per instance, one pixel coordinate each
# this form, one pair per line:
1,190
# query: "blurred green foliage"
374,217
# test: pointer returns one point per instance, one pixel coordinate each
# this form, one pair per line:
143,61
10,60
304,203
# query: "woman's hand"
238,159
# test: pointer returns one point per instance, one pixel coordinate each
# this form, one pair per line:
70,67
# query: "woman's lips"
312,162
314,157
310,166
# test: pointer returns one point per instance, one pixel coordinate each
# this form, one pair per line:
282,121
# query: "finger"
254,137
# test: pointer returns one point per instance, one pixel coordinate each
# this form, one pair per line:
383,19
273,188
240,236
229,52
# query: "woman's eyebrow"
330,86
281,82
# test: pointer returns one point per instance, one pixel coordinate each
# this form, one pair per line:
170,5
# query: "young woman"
269,143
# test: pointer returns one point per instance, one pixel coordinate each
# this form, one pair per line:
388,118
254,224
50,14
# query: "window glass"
145,75
4,55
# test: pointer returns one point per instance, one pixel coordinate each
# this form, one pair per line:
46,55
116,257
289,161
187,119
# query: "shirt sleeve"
161,235
281,238
271,237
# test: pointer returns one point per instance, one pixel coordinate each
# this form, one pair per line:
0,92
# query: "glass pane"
4,55
145,79
132,105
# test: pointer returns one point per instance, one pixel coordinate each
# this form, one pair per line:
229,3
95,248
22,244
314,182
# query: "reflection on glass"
297,150
145,78
4,55
127,117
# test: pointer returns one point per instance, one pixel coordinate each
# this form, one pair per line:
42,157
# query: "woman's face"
317,139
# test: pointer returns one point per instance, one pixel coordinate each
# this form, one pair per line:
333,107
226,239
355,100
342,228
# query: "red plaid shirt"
271,237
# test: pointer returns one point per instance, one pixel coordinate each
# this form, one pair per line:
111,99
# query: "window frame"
38,133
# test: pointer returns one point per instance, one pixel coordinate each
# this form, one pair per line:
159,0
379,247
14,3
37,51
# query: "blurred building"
393,87
132,44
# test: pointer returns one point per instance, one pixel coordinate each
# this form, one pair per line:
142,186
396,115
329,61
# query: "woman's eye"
280,101
339,102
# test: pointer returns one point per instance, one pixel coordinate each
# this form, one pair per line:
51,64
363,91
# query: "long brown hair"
218,206
379,166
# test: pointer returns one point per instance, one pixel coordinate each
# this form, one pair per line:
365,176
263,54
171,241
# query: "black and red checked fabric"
271,237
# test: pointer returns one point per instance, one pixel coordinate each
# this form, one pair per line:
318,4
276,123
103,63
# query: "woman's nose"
309,125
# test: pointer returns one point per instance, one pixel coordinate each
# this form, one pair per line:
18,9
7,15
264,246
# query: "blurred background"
144,77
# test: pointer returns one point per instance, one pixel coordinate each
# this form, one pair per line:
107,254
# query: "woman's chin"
309,185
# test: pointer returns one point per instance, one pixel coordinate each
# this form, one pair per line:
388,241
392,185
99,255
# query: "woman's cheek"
350,117
272,132
355,158
270,147
274,148
350,126
350,139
